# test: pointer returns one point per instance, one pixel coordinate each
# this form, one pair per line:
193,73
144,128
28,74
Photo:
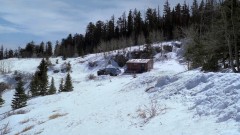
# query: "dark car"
109,71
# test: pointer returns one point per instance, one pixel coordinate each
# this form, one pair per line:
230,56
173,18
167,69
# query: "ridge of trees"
131,28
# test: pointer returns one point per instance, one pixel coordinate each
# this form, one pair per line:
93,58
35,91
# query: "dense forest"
210,29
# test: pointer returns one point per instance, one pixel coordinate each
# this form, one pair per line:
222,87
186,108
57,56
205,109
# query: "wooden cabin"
139,65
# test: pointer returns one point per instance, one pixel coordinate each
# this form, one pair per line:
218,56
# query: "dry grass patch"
24,121
151,111
25,129
56,115
10,113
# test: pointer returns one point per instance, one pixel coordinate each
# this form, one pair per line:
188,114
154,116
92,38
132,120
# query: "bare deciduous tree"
5,67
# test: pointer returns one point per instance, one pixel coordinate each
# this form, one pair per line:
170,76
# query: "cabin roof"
138,61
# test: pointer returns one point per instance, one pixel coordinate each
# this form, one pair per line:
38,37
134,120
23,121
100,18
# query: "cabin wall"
150,65
137,67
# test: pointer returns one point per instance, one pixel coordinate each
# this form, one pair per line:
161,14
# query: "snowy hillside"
168,100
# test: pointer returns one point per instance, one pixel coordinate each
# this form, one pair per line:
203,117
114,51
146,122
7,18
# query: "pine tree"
20,98
1,52
43,77
41,49
52,89
168,26
82,53
68,84
34,86
195,12
1,101
49,49
61,86
138,22
185,15
130,23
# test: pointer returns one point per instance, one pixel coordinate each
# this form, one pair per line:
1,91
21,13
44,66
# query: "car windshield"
113,69
110,69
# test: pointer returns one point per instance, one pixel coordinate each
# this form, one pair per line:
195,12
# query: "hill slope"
177,102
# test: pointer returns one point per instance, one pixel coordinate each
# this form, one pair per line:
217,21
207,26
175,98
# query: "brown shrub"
56,115
158,49
4,86
121,60
149,112
92,64
91,77
167,48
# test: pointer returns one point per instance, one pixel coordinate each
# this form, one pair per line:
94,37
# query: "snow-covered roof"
138,61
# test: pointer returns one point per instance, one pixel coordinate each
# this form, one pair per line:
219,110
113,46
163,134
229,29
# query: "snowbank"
207,94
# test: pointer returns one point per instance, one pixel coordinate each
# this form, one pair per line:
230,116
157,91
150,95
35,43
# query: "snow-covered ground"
168,100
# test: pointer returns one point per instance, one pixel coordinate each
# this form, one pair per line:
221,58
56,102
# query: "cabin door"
142,68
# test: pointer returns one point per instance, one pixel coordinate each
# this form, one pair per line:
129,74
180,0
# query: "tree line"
131,28
31,50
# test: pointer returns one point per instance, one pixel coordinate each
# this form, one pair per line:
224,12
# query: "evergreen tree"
178,18
34,86
68,84
52,89
137,26
43,77
98,32
61,89
130,23
195,12
90,36
57,49
111,27
41,49
81,53
185,15
20,98
29,49
49,49
10,53
1,52
1,101
168,27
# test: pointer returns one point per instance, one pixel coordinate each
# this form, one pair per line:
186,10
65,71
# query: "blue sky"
22,21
